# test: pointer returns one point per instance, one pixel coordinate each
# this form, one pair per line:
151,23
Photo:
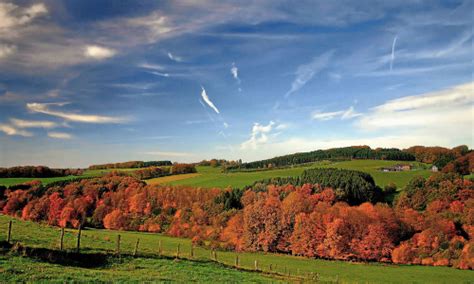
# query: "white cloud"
261,134
12,15
342,114
174,57
86,118
305,72
226,125
59,135
98,52
208,101
7,50
10,130
235,72
20,123
444,112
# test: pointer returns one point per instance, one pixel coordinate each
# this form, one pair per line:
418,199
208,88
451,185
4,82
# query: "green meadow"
214,177
150,266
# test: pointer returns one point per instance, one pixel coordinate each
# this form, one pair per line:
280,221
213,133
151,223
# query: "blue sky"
85,82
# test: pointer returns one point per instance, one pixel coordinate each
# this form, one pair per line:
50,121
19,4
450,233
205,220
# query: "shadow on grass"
67,258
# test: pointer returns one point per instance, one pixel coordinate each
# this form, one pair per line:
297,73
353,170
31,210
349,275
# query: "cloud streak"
208,101
60,135
392,57
174,57
304,73
85,118
20,123
342,114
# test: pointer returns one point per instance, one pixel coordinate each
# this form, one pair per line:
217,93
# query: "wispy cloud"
12,16
206,99
342,114
235,72
20,123
175,57
11,131
60,135
98,52
440,112
6,50
86,118
305,72
392,57
160,74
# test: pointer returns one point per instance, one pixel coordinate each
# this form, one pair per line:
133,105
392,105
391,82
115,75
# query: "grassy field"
169,179
213,177
87,173
149,266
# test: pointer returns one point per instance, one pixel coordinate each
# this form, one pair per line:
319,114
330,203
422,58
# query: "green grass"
142,269
213,177
87,173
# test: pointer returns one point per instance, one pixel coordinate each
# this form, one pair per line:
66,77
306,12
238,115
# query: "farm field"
87,173
148,266
213,177
169,179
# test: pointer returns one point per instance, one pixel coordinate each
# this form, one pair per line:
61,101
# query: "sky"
87,82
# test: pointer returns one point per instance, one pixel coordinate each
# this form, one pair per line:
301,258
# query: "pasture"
214,177
148,266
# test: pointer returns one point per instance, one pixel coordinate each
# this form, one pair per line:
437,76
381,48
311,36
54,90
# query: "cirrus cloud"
85,118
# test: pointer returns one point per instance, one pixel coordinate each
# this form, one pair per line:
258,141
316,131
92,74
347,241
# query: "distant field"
169,179
87,173
213,177
150,268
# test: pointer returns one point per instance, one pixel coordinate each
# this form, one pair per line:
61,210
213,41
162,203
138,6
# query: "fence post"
215,255
192,251
117,248
136,248
256,264
61,240
160,248
271,267
9,234
78,247
177,251
237,260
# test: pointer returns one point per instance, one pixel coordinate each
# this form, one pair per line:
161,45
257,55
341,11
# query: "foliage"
354,187
347,153
431,224
130,164
37,172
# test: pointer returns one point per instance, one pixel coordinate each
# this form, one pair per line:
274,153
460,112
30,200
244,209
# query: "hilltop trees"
37,172
346,153
130,164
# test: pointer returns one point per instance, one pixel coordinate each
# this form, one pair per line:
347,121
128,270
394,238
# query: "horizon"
84,83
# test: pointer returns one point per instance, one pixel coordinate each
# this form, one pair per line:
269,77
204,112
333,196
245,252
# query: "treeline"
353,187
438,156
346,153
155,172
431,224
37,172
130,165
